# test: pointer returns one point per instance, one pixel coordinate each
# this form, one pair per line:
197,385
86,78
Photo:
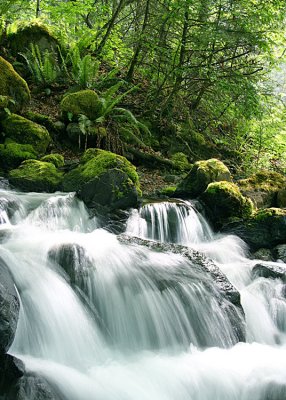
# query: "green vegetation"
176,80
33,175
12,154
12,85
56,159
201,174
24,131
225,202
96,162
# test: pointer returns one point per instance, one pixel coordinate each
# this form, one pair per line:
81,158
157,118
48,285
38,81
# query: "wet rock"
73,259
274,391
32,387
266,228
274,271
5,234
262,254
280,252
9,204
9,308
11,369
200,260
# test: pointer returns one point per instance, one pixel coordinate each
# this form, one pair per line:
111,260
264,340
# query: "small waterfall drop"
104,320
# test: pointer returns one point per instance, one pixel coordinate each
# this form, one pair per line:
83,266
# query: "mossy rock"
34,33
104,178
181,161
56,159
201,174
24,131
225,202
168,191
36,176
84,102
12,154
263,188
266,228
281,198
13,86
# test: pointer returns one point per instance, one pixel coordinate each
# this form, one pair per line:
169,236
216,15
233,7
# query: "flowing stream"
109,321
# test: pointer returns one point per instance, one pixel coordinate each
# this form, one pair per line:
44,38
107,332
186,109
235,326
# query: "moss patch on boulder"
13,86
104,178
263,187
225,202
36,176
33,33
56,159
266,228
24,131
201,174
12,154
84,102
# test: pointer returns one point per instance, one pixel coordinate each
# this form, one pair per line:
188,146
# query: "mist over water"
109,321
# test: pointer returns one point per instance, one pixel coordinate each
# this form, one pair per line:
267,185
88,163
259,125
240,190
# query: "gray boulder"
9,308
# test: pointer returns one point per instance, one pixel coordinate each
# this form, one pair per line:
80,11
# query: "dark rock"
262,254
112,189
200,268
274,271
9,308
280,252
5,234
32,387
73,259
267,228
11,369
204,264
281,198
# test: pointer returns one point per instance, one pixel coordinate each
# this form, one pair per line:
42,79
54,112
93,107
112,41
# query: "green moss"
226,202
95,162
84,102
12,154
267,181
25,131
202,173
263,215
168,191
181,161
13,86
56,159
36,176
37,33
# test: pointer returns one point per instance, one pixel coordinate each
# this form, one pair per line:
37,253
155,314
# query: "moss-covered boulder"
24,131
266,228
224,202
12,154
36,176
56,159
85,102
105,179
201,174
35,33
263,188
13,86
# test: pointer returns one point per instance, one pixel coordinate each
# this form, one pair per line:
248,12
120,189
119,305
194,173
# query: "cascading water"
110,321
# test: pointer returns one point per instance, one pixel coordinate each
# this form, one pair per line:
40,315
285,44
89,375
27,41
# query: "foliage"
200,62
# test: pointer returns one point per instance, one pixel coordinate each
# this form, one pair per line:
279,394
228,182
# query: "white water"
133,323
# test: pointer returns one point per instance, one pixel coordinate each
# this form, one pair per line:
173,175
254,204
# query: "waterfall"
100,319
